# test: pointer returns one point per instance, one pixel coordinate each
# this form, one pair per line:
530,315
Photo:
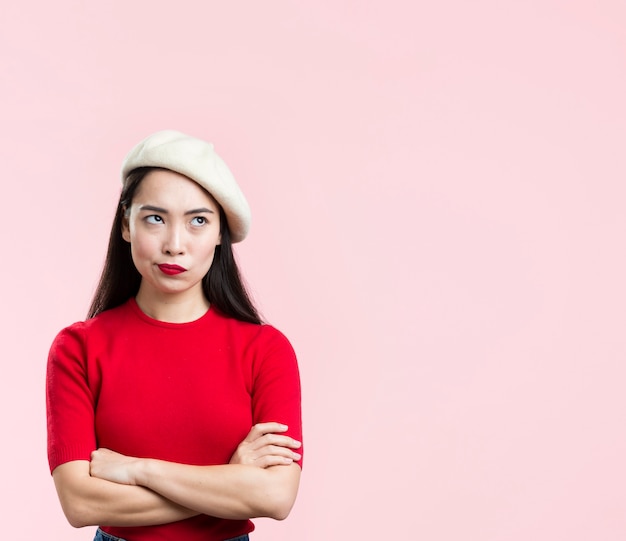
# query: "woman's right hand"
265,446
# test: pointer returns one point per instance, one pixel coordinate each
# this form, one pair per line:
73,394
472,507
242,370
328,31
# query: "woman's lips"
171,269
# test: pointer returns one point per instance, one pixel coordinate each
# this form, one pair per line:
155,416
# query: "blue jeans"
102,536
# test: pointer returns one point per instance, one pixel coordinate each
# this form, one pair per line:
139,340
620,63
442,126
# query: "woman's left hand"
115,467
264,446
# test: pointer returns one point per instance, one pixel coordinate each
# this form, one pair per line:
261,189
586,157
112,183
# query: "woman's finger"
261,429
265,446
275,440
274,451
271,460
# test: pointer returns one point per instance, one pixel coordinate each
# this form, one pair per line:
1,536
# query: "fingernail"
297,456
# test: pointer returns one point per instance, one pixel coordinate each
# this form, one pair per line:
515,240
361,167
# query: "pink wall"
438,193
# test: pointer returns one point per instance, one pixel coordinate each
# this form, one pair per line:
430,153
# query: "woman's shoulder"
257,335
261,331
80,331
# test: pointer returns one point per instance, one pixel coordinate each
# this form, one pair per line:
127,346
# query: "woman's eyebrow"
152,208
200,211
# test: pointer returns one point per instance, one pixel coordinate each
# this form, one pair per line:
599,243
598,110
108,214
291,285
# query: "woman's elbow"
76,508
77,521
275,506
76,513
281,510
279,500
70,481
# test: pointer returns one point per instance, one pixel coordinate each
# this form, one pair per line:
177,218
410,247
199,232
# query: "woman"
173,413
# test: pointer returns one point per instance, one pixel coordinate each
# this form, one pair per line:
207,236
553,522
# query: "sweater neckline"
132,303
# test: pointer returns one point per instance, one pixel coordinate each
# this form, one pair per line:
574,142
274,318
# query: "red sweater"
181,392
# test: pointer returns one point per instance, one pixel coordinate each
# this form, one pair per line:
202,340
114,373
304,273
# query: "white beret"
197,160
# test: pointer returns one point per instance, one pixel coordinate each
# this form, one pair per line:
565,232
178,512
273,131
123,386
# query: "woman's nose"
174,241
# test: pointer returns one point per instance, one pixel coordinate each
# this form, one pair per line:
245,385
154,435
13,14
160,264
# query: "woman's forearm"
231,491
261,480
89,501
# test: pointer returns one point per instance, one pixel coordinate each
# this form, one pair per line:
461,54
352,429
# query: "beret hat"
197,160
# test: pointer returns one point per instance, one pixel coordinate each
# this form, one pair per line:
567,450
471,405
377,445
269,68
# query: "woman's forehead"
168,188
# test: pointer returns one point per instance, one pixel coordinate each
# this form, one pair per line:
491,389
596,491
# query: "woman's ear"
125,225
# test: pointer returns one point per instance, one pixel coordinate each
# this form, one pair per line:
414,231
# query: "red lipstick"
171,269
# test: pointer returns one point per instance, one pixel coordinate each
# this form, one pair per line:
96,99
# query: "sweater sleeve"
70,401
276,392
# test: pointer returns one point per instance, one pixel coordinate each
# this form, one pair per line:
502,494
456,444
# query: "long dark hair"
120,280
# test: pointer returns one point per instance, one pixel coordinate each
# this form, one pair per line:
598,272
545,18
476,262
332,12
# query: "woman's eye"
199,220
154,219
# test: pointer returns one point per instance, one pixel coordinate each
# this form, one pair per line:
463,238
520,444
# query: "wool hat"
197,160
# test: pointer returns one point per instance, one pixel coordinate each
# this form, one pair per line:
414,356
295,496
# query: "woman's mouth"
171,269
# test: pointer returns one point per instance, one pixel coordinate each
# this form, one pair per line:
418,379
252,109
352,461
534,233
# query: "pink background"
438,194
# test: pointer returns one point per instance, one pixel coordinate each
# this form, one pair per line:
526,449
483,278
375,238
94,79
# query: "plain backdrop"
438,198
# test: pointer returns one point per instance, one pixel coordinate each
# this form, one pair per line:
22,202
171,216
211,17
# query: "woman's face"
173,227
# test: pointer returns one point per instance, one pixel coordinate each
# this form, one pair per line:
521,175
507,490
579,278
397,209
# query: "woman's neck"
181,308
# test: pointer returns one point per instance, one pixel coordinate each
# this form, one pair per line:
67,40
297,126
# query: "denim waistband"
103,536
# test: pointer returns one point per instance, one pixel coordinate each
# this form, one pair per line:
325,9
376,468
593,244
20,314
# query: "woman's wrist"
141,471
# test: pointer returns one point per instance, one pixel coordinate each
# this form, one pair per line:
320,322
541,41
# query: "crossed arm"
261,480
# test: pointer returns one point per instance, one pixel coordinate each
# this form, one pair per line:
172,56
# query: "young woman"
173,412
